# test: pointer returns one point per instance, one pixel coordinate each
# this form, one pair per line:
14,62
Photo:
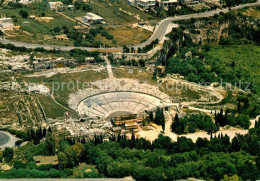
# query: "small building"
32,17
55,5
80,29
28,1
145,4
168,3
70,7
117,129
92,18
18,27
26,22
133,126
6,23
90,60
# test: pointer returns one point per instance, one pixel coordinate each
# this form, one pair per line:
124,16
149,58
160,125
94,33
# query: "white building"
28,1
145,4
92,18
168,3
6,23
55,5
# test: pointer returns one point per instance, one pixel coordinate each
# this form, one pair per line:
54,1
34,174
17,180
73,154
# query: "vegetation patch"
141,75
124,35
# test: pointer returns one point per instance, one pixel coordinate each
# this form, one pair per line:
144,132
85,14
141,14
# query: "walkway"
109,68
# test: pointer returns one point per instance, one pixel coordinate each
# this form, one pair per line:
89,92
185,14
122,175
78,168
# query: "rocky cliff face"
205,33
212,30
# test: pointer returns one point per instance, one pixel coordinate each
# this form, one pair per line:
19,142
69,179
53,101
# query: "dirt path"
52,96
69,18
52,72
109,68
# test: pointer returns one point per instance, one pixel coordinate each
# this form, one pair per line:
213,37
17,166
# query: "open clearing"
252,11
124,35
141,75
64,85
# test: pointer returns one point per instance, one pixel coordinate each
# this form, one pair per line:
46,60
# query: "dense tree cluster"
88,39
14,5
172,11
162,159
8,154
145,49
231,119
24,14
81,5
203,66
159,116
230,3
247,107
190,123
119,62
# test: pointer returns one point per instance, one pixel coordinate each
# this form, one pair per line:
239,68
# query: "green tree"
50,144
163,124
243,121
8,154
24,14
159,116
63,160
56,29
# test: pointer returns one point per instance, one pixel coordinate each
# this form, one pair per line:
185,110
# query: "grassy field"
252,11
39,39
65,84
52,109
124,36
38,30
139,74
34,25
144,76
110,11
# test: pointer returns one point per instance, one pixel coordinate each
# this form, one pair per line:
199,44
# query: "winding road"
159,32
162,26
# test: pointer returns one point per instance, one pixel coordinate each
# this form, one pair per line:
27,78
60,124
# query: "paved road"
57,47
159,32
161,27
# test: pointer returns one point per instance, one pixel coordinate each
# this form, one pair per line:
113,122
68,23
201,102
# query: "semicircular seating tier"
106,97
